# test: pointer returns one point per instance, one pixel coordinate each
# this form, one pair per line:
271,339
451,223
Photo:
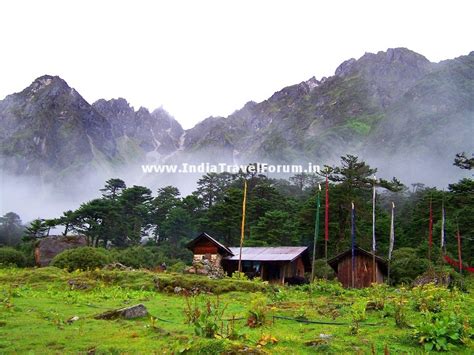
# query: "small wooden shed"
363,268
206,247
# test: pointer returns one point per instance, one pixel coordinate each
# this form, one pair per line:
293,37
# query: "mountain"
384,107
394,108
49,130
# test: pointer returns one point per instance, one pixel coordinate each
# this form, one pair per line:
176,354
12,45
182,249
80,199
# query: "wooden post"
459,252
388,272
283,270
374,277
326,257
242,229
374,266
316,232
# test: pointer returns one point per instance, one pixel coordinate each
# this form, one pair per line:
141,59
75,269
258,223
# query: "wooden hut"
204,247
274,264
363,269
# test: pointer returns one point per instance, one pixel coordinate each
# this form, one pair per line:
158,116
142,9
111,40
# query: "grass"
36,304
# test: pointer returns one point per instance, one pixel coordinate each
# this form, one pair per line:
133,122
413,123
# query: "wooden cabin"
363,270
273,264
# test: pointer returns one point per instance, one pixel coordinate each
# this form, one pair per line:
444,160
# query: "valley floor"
37,307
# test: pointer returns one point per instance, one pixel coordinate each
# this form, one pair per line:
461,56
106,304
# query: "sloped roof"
358,251
221,246
267,253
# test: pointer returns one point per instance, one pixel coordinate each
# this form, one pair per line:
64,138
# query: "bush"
406,265
167,282
327,287
10,256
257,312
178,267
209,317
137,257
323,271
81,259
438,332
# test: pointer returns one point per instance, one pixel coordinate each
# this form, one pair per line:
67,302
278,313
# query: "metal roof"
267,253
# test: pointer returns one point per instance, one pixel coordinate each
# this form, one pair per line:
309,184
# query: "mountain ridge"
381,106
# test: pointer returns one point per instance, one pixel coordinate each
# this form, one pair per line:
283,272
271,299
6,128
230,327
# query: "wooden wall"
204,247
363,276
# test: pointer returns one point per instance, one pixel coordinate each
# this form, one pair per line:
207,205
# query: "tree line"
279,212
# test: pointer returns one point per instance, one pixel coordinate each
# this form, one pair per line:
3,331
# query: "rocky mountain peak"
48,84
345,67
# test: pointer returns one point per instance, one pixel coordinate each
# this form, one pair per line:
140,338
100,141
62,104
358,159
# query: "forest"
144,229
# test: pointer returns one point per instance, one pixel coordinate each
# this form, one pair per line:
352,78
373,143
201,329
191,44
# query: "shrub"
323,271
81,259
358,315
137,257
438,331
257,312
406,265
327,287
167,282
430,298
205,317
10,256
178,267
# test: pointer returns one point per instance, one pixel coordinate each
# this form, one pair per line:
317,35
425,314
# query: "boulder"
48,247
117,266
132,312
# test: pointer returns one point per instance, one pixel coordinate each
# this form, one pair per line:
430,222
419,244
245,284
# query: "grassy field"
36,304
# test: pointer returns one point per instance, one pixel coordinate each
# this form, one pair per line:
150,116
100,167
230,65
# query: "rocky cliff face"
157,134
49,130
381,106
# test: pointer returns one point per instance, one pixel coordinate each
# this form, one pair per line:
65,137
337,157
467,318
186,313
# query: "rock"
51,246
116,266
315,342
207,268
72,320
437,278
325,336
77,285
178,289
132,312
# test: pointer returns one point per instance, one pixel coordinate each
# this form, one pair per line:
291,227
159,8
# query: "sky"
200,58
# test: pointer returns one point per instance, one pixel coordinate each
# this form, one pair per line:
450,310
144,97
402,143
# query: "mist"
31,198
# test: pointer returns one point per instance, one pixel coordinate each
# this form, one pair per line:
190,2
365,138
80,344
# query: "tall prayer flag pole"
459,252
392,240
353,243
443,231
242,229
326,220
430,231
374,275
316,229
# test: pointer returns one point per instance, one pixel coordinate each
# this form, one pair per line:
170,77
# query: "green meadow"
51,311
